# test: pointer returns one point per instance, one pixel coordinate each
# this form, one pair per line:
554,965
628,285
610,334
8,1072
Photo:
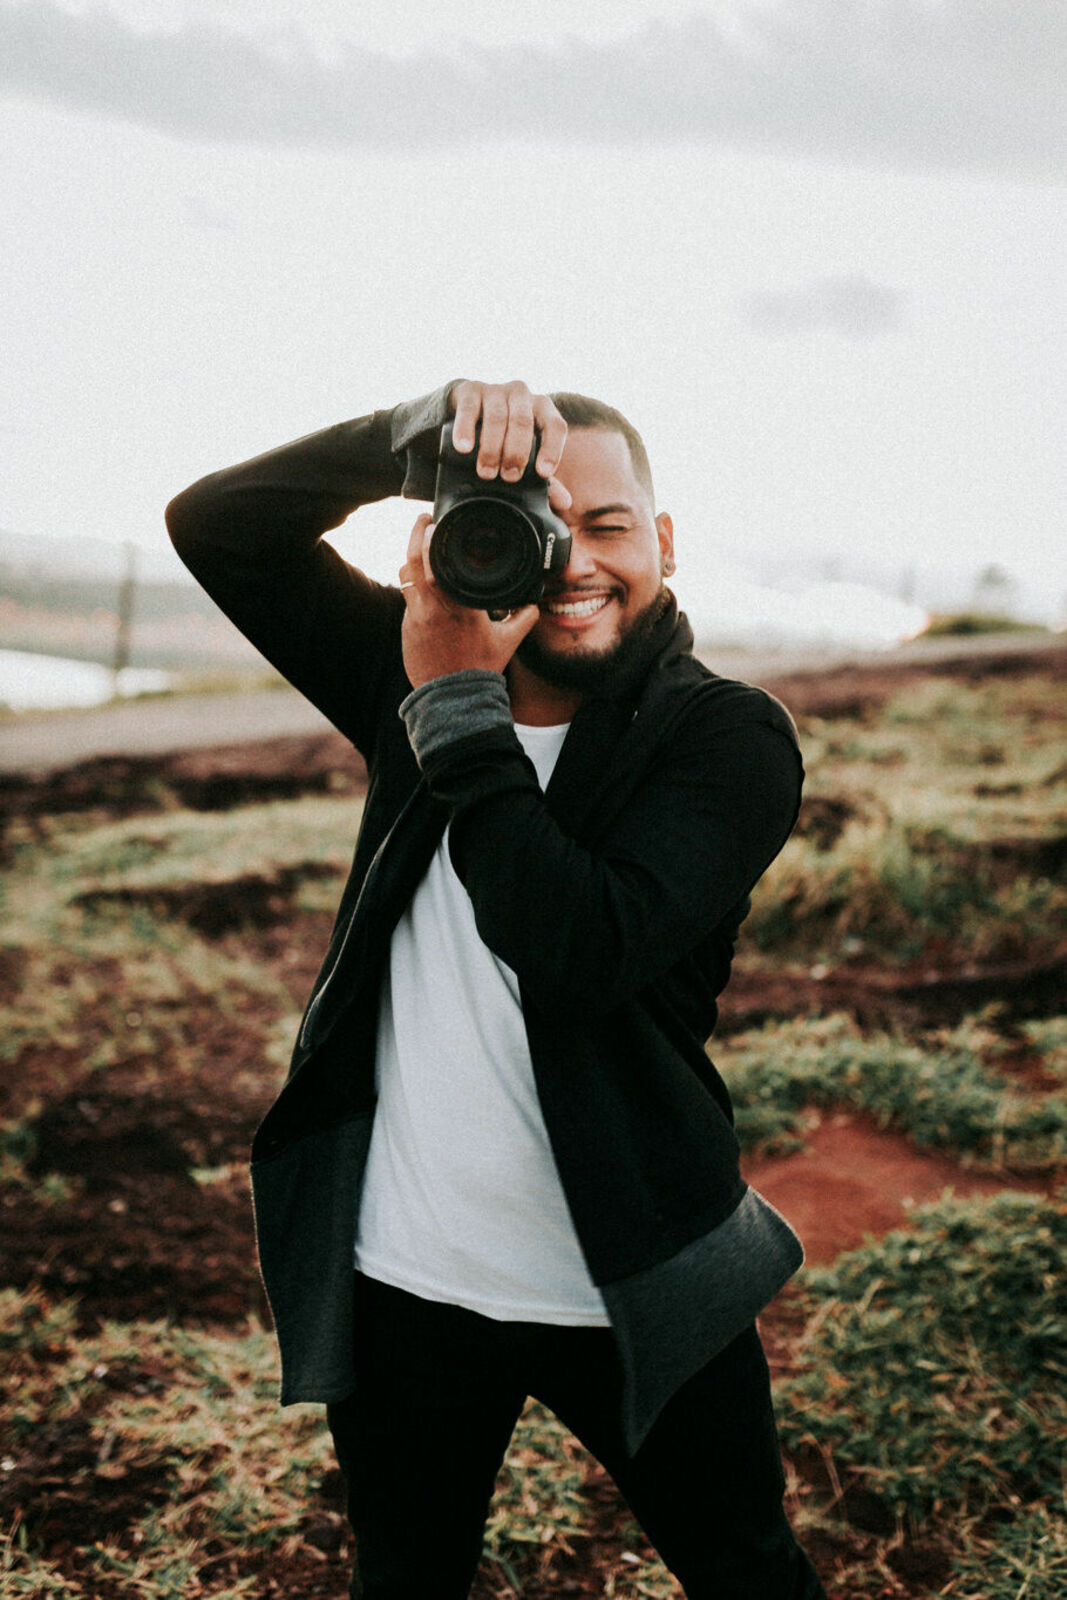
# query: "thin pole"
127,591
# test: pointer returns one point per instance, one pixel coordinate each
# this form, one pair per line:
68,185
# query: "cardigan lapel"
606,750
586,762
391,879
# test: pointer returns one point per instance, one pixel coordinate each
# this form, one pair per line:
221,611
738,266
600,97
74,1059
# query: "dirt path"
41,742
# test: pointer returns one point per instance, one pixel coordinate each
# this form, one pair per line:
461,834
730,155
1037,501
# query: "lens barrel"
487,553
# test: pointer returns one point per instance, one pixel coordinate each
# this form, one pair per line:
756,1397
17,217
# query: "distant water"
37,683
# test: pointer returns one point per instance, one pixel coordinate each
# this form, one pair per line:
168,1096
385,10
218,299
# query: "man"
500,1109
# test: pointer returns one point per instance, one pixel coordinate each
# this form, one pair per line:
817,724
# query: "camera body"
493,542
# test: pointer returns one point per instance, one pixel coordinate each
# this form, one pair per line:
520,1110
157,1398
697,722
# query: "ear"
665,536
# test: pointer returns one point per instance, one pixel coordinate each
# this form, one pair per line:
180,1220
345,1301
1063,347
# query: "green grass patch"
48,876
896,889
944,1093
190,1418
965,624
103,960
1048,1036
933,818
932,1370
1023,1557
27,1576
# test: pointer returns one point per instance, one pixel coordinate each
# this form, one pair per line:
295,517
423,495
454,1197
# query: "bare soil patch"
824,818
853,1178
140,1247
75,1498
213,779
857,692
103,1135
253,899
138,1236
909,997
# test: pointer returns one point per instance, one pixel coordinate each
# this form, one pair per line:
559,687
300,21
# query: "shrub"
932,1369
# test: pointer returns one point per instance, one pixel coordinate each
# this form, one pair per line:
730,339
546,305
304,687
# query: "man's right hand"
508,413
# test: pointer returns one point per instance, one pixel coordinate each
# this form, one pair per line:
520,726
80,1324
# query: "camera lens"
485,552
484,548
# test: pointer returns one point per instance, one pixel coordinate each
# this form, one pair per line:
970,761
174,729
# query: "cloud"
973,85
850,305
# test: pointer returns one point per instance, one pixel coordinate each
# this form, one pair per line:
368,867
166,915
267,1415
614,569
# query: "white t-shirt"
461,1200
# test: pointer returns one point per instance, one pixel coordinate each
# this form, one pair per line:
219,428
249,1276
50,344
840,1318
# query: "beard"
593,671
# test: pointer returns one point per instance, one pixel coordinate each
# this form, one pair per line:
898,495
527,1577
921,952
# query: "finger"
518,437
559,496
413,562
513,629
494,425
427,570
553,432
466,397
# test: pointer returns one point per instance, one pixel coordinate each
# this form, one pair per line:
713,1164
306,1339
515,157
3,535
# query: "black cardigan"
615,896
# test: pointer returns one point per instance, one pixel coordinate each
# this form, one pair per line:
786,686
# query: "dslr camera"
493,542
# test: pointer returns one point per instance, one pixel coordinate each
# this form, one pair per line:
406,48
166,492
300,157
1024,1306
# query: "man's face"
612,584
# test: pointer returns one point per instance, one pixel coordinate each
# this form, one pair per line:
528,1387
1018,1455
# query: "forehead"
597,469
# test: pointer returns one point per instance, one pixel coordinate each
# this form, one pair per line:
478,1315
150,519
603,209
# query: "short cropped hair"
579,411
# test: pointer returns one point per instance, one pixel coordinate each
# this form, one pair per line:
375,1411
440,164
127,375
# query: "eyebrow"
614,510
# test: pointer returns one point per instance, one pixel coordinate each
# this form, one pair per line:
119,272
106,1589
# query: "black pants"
438,1392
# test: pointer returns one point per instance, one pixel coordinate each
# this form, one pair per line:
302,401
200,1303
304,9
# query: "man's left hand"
439,635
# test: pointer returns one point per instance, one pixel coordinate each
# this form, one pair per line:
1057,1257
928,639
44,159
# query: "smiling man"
603,607
502,1164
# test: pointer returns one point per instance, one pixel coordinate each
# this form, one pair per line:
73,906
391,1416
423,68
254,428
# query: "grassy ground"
972,1089
151,977
933,827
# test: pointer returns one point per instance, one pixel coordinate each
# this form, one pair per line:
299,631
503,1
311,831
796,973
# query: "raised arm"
252,535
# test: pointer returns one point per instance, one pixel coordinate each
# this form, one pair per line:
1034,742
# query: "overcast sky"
815,249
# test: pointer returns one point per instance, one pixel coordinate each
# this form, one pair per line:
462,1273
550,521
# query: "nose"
581,562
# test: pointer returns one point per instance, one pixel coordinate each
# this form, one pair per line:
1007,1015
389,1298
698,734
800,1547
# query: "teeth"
577,608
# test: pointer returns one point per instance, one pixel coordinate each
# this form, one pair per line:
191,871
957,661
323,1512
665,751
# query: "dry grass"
943,819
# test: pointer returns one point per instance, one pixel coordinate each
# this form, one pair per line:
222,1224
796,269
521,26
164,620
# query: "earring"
668,567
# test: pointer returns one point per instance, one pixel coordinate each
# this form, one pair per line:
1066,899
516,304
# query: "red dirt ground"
853,1178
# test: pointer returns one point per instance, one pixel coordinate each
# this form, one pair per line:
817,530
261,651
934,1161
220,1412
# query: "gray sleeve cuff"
445,709
415,427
